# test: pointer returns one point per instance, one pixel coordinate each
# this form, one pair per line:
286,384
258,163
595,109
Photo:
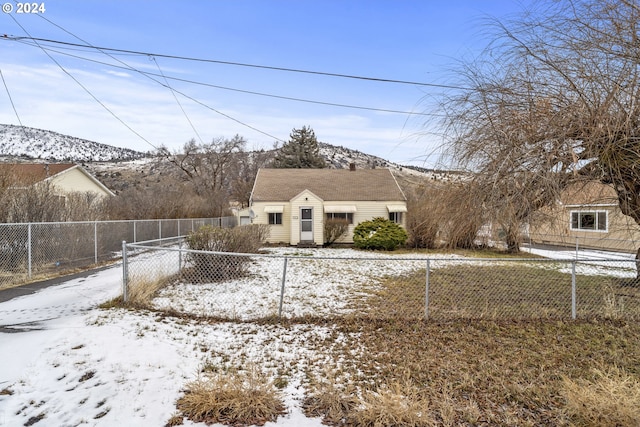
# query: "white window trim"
275,217
594,211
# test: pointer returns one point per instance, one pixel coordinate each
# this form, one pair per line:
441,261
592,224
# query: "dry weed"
612,398
238,398
396,405
142,289
331,398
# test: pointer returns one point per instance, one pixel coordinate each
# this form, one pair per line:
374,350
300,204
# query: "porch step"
307,245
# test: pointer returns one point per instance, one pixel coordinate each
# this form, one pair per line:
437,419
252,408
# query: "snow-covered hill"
38,144
121,168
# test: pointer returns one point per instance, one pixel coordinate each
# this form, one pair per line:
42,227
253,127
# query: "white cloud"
45,97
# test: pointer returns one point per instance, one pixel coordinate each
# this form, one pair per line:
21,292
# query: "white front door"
306,224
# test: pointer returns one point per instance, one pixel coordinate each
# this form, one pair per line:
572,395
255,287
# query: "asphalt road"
31,288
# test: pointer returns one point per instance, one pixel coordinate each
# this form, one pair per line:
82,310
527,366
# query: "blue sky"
415,41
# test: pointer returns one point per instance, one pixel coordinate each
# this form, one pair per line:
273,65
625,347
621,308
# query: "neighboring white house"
587,214
296,202
65,178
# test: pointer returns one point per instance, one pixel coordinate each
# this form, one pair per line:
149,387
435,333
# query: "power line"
287,98
37,44
238,64
128,67
173,92
15,110
11,99
85,88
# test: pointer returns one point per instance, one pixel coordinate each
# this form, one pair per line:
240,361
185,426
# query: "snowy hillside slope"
31,143
121,168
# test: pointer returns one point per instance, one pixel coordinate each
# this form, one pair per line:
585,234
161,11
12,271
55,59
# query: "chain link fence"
32,251
329,283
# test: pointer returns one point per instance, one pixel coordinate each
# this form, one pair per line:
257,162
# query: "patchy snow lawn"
67,363
318,282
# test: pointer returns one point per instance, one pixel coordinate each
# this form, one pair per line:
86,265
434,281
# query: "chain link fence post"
29,250
125,272
573,290
426,291
284,279
95,242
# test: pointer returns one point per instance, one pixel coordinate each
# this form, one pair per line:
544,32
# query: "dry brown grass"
394,405
234,398
611,398
507,290
332,398
472,372
143,288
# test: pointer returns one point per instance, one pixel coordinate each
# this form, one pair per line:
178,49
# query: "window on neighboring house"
275,218
395,217
589,220
341,215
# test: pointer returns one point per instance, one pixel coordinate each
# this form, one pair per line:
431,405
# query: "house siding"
277,233
622,233
74,181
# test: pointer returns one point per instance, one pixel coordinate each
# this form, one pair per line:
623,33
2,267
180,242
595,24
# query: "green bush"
215,267
379,234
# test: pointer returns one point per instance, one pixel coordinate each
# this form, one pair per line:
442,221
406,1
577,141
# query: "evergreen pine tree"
300,152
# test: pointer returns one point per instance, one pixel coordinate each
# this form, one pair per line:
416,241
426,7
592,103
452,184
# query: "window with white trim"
275,218
348,216
589,220
395,217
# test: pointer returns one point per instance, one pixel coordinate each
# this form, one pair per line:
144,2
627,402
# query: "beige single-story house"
296,202
64,178
587,215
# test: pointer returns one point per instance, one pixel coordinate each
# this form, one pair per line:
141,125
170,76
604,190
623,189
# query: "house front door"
306,224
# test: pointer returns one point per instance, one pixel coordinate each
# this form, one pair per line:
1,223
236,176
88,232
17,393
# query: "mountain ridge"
39,144
120,168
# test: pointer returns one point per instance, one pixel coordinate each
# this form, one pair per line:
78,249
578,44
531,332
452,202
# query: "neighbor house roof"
30,173
26,174
328,184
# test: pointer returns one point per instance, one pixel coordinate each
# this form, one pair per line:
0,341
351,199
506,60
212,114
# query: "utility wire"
128,67
11,99
173,92
84,87
15,110
132,69
238,64
287,98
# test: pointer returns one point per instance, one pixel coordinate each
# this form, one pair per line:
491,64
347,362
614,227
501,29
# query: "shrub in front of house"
334,228
379,234
206,267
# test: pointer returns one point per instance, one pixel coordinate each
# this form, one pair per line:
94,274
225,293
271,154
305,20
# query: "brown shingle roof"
328,184
30,173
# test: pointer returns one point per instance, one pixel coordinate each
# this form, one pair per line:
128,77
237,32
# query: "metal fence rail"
251,287
29,251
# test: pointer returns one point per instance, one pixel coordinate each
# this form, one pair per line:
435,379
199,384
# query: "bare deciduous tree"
554,100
